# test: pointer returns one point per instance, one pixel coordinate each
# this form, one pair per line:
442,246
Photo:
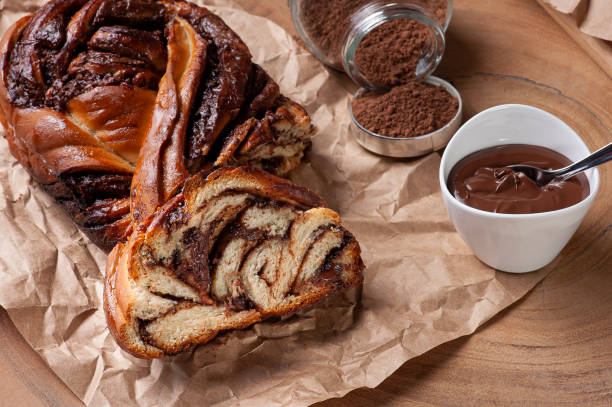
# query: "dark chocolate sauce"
483,181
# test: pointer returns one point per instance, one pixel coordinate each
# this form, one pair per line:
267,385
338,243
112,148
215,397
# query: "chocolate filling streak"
241,246
80,81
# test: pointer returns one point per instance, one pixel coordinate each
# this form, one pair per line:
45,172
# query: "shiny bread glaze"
79,85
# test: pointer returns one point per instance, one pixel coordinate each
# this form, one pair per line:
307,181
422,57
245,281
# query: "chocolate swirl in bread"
84,82
235,247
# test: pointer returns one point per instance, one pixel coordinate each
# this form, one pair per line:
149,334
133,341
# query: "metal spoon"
543,177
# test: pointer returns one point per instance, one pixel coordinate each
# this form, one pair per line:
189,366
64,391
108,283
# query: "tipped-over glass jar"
375,42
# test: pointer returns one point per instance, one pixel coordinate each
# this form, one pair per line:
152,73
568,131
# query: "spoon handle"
600,156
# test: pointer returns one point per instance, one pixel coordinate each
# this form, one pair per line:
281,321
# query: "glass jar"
334,29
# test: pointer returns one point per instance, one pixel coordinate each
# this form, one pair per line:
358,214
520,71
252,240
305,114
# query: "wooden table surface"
553,347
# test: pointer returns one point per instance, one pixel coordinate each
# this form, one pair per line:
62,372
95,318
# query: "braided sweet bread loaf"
135,115
235,247
84,83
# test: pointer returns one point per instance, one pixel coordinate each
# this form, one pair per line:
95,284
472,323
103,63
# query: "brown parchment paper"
594,17
423,286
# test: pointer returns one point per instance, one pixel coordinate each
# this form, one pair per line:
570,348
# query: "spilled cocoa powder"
326,22
389,54
408,110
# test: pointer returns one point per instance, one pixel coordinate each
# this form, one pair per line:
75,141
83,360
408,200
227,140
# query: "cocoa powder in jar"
408,110
326,22
389,54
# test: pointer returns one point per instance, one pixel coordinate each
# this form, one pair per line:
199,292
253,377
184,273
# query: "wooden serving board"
598,49
554,346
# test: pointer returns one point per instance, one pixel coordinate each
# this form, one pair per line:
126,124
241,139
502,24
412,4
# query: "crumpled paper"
422,285
594,17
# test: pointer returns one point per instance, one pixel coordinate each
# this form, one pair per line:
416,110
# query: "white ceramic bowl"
509,242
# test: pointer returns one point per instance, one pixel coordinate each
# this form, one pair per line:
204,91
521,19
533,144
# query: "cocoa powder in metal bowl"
410,110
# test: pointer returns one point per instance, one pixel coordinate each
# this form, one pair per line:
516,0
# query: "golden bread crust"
83,87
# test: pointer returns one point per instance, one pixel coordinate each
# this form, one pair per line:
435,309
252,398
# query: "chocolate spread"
483,181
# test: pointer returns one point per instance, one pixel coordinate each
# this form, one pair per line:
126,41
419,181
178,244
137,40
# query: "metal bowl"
409,146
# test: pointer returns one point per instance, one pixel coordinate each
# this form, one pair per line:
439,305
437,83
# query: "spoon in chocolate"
542,177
